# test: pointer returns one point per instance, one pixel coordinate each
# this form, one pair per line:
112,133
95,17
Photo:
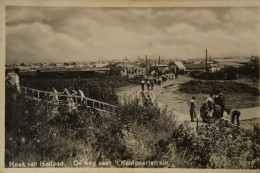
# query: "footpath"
167,95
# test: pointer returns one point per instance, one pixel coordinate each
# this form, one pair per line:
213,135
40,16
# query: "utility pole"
123,62
147,70
206,64
146,60
159,60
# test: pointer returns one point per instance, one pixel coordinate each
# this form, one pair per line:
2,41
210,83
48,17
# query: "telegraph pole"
206,64
146,60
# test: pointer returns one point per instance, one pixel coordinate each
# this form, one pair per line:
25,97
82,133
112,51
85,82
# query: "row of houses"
173,67
139,67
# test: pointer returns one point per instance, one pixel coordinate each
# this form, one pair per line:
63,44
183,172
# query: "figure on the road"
216,112
164,78
234,114
159,81
148,84
192,104
220,100
210,103
152,84
142,84
204,112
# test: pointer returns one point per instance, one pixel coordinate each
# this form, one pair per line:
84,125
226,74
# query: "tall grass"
39,131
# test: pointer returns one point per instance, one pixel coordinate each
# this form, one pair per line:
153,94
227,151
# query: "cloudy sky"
52,34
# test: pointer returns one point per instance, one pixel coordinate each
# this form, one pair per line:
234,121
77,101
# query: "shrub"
216,147
43,131
215,87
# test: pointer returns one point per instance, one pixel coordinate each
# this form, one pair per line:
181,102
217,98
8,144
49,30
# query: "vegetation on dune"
215,147
216,87
36,132
39,131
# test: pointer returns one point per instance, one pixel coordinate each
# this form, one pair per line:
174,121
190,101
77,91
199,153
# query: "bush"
41,131
215,87
215,147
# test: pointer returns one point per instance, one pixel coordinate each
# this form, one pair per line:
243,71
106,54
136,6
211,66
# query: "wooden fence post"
197,127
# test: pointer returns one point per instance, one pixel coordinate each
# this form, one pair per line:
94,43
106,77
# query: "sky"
59,34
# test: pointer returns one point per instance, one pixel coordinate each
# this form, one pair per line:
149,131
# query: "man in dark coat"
220,100
192,104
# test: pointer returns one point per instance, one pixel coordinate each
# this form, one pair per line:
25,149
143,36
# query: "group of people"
55,96
213,108
149,84
155,81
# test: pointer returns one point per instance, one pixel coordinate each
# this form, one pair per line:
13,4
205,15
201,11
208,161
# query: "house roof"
180,65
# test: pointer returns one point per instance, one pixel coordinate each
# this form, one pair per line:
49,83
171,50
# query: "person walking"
148,84
192,104
220,100
142,84
66,91
152,84
74,92
82,97
159,81
55,95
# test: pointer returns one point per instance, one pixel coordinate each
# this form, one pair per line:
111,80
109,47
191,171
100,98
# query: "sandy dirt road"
168,95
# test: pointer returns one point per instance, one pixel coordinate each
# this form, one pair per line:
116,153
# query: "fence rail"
62,99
